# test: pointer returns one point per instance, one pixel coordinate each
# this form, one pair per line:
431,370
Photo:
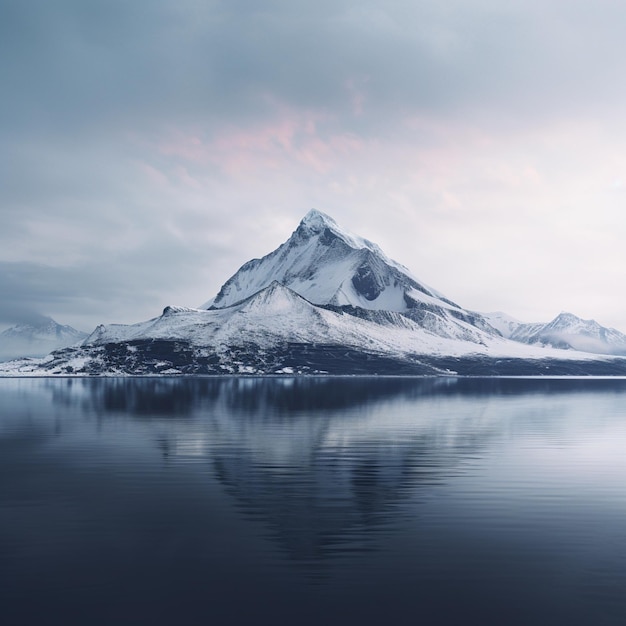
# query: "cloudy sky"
149,148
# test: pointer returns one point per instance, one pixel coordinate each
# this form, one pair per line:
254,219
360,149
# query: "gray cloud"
124,290
71,64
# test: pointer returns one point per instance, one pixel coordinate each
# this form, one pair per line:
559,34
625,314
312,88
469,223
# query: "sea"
312,500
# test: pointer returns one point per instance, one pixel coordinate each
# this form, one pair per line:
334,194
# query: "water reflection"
173,397
324,463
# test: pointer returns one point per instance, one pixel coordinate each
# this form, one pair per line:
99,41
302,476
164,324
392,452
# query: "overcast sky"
149,148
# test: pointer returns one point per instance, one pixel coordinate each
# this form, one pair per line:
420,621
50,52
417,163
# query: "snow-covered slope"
277,315
278,331
567,331
328,265
37,338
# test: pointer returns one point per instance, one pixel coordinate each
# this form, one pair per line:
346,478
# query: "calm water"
308,501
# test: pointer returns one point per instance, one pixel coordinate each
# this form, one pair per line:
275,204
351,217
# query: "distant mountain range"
328,301
37,338
566,331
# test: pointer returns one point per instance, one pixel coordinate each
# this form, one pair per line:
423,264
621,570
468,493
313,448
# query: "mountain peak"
274,290
318,224
315,219
566,315
568,320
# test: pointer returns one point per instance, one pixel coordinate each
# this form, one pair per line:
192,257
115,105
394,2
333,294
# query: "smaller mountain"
503,323
569,332
36,338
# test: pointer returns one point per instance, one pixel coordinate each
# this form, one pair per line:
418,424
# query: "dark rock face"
366,283
384,318
327,238
172,357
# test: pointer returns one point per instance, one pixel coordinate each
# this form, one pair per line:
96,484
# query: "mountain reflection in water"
330,490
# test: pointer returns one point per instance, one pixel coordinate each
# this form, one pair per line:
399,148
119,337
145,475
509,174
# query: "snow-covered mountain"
325,301
37,338
328,265
567,331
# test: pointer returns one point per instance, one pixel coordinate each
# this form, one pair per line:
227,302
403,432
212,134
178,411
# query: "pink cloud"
291,138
